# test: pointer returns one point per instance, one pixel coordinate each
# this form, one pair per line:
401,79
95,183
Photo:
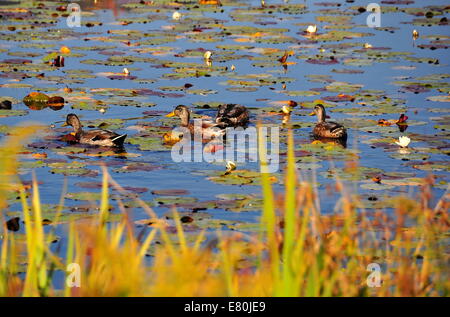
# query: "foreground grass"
297,251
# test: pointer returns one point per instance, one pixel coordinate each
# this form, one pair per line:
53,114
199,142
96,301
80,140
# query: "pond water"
359,86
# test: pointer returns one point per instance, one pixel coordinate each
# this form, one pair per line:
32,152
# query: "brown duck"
206,129
327,129
94,137
232,115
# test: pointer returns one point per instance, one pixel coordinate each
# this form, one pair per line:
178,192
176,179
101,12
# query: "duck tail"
119,140
340,132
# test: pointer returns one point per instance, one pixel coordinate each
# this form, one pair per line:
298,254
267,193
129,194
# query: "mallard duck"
94,137
326,129
206,129
232,115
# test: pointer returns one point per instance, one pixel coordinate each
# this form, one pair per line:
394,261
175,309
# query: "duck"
206,129
326,129
94,137
232,115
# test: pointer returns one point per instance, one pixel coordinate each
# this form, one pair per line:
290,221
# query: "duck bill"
312,114
172,114
64,124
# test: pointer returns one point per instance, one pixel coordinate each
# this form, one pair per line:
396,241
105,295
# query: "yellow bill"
312,114
64,124
170,114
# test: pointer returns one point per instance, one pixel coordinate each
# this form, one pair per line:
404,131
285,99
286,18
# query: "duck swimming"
205,129
327,129
94,137
232,115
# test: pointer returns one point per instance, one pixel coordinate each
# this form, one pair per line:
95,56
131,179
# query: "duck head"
181,112
73,121
319,111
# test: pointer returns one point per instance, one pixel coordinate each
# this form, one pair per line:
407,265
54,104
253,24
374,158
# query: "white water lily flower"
207,55
176,15
311,28
231,166
102,110
367,45
126,71
233,67
403,141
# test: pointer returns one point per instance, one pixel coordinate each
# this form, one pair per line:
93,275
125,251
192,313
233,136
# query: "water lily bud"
64,50
286,109
102,110
284,58
233,67
311,29
207,55
126,71
176,15
415,34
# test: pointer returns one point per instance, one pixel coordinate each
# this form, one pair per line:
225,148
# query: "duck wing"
330,129
102,138
237,111
208,130
232,115
208,124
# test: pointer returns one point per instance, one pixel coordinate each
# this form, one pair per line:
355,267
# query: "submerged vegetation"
297,250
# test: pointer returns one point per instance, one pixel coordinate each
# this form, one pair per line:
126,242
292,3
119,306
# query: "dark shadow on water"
119,152
338,142
402,127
